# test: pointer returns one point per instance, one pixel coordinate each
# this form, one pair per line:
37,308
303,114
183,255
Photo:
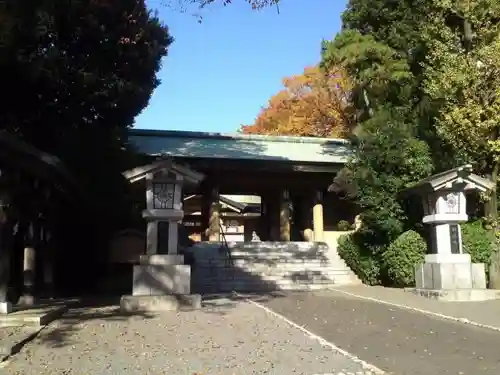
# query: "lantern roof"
460,178
139,173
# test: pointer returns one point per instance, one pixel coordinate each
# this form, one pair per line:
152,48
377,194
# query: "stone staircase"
267,266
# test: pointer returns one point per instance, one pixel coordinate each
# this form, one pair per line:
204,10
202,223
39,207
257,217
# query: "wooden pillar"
318,226
210,214
296,224
284,216
274,216
265,222
306,226
31,239
5,234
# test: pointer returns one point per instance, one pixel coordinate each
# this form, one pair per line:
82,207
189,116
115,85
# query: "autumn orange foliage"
312,104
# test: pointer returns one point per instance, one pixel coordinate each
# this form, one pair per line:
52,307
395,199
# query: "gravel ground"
12,339
396,340
237,338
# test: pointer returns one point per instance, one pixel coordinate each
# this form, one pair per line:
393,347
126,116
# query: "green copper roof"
180,144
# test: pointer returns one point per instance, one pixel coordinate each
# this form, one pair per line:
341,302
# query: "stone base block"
36,316
157,280
450,276
5,307
448,258
457,295
131,304
26,301
162,259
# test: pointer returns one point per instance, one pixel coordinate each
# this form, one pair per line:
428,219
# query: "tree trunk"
491,214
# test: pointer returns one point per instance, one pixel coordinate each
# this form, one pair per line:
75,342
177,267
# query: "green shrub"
401,256
478,242
344,226
359,259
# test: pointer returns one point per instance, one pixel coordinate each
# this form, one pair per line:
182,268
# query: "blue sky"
219,73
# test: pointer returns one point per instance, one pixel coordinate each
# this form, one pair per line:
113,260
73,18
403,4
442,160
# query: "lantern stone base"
161,283
162,259
171,302
457,295
5,307
161,279
452,277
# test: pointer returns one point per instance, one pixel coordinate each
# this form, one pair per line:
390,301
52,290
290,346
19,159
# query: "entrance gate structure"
291,175
282,170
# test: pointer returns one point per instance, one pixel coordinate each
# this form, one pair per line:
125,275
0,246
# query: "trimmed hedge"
478,242
395,265
359,259
401,256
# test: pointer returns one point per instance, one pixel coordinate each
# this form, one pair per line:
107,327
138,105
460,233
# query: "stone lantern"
448,272
161,280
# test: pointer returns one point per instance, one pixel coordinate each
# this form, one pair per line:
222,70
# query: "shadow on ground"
106,310
64,331
222,303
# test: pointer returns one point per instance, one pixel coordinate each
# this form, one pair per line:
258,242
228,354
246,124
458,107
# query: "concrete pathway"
224,339
486,313
399,340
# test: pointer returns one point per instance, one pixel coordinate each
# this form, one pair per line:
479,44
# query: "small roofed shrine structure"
161,279
448,272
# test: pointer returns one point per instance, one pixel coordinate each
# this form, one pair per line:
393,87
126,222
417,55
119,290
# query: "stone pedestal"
161,282
5,307
134,304
159,279
452,277
162,259
452,272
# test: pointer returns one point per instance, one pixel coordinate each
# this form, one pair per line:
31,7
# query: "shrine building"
255,187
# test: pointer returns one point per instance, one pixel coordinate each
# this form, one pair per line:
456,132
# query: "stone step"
252,260
291,266
287,271
266,265
264,268
277,255
260,266
284,255
297,246
262,287
222,277
261,260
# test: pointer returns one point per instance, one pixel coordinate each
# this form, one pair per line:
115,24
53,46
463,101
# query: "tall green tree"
435,65
462,75
75,74
381,49
388,152
401,25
